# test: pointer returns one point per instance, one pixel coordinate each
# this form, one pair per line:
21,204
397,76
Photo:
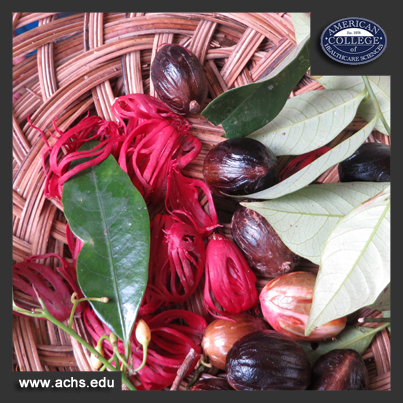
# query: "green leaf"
380,86
109,215
352,337
305,218
309,173
302,26
245,109
382,303
309,121
355,262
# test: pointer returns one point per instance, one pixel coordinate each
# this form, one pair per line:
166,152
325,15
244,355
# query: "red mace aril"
147,137
158,258
139,108
147,162
182,201
54,288
170,343
155,136
302,161
286,303
75,244
176,262
64,151
228,277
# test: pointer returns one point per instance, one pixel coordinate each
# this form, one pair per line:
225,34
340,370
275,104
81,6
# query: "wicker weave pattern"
82,63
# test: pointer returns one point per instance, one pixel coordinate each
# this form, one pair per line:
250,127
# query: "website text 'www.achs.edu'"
66,383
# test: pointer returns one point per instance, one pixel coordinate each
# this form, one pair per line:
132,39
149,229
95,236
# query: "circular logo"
353,40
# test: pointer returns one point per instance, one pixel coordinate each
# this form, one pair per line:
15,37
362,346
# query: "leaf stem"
44,313
378,320
196,376
375,102
122,360
72,333
145,349
75,302
104,366
101,339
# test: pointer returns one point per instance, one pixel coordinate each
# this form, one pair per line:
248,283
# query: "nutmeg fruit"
286,303
340,369
267,360
221,334
263,248
179,79
240,166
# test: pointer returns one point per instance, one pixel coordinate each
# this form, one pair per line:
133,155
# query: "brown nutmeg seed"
179,80
340,369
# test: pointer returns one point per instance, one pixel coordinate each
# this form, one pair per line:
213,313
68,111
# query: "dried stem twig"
183,369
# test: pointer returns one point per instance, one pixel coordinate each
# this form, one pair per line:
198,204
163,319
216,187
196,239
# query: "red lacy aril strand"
160,136
171,341
176,262
302,161
54,288
228,277
89,128
75,244
182,201
147,162
158,258
139,108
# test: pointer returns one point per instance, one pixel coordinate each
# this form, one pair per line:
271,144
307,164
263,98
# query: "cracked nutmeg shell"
267,360
179,79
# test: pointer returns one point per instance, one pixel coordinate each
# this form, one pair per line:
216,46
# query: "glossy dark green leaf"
109,215
246,109
352,337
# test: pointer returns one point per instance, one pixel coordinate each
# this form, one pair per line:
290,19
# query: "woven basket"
82,63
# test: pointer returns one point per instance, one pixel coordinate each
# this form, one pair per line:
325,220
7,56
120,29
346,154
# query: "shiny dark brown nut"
179,80
340,370
221,334
212,384
263,248
267,360
369,163
240,166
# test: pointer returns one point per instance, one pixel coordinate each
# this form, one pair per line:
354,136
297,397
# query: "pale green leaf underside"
352,337
355,263
304,219
309,173
309,121
302,25
380,86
